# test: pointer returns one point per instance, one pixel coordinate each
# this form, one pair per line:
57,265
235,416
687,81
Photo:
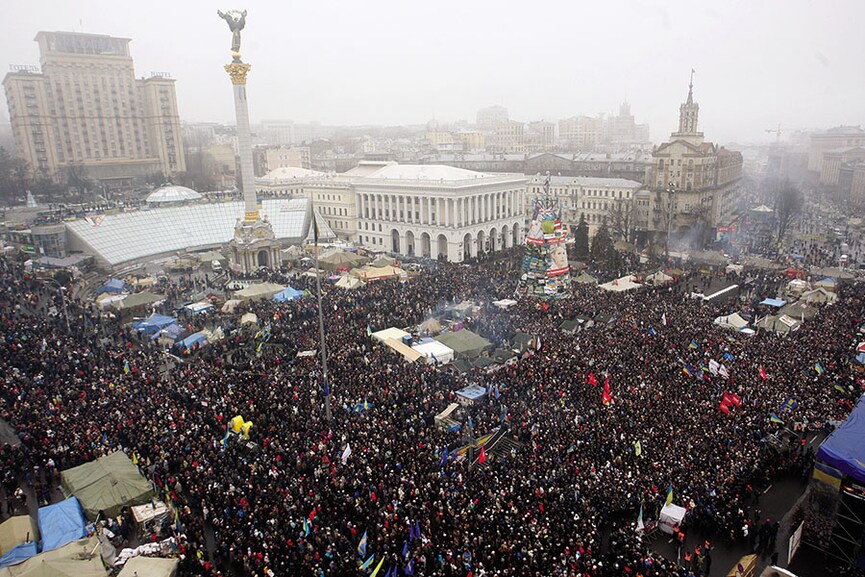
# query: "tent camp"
406,351
435,352
348,282
371,273
61,523
153,324
108,484
625,283
465,343
18,537
71,560
258,291
149,567
733,322
389,333
844,449
287,294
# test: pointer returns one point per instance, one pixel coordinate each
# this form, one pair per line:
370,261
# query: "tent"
795,288
108,484
671,516
844,449
287,294
105,300
389,333
171,332
777,303
230,305
71,560
341,260
249,318
370,273
258,291
585,278
149,567
383,261
112,285
818,295
61,523
348,282
431,326
18,537
199,338
833,272
505,303
140,299
781,324
658,278
733,321
153,324
799,310
464,343
709,258
199,307
435,352
406,351
625,283
829,284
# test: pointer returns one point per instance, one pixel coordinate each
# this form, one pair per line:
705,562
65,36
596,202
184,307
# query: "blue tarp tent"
287,294
193,339
112,285
773,302
61,523
845,448
154,323
18,554
172,331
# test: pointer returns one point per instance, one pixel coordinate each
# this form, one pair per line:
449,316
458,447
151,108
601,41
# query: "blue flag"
367,563
497,391
788,405
728,356
409,568
444,457
405,549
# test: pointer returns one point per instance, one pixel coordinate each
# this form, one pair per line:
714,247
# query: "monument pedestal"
254,245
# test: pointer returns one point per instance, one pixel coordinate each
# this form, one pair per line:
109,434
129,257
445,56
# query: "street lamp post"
671,189
61,289
325,384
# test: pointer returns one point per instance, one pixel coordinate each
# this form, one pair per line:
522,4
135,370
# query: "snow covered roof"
172,193
430,172
287,173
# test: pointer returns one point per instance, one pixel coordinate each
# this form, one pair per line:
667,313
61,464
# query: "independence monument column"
254,244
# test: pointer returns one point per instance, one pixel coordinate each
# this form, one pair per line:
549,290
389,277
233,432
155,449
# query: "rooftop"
172,193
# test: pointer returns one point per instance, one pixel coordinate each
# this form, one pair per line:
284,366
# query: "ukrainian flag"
669,496
819,368
361,547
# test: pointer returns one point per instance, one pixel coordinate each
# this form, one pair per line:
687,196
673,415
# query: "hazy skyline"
758,64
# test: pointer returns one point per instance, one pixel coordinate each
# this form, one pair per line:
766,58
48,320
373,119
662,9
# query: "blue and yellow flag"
361,547
669,495
365,565
775,418
693,345
377,567
126,368
819,368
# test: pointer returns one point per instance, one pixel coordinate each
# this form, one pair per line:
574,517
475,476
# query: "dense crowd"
561,501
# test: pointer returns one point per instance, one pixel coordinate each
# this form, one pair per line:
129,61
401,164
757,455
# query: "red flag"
482,458
735,400
724,408
727,399
592,380
606,397
763,374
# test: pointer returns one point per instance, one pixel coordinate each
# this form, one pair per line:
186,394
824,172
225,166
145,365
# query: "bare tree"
620,218
788,204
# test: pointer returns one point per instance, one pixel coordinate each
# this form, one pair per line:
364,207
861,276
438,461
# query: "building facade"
283,156
840,137
439,211
599,200
86,108
695,183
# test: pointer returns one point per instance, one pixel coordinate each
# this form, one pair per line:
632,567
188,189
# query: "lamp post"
325,384
62,290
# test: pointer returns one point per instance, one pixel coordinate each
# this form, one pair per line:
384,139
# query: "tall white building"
438,211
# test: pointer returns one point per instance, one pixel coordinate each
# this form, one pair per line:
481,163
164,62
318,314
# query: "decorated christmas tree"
546,273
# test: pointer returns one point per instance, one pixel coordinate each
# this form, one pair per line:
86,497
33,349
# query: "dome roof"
284,174
172,193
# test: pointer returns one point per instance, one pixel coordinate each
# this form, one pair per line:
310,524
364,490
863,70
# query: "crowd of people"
603,423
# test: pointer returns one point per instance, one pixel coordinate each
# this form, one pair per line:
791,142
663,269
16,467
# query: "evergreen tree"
603,253
581,239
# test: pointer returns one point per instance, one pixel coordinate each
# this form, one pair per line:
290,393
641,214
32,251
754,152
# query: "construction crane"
777,131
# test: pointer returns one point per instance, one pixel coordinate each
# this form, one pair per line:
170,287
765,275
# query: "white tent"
259,291
150,567
230,305
249,318
349,282
505,303
435,352
818,295
733,321
625,283
659,278
389,333
671,516
406,351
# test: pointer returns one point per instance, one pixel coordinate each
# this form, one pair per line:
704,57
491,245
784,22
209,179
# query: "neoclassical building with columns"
438,211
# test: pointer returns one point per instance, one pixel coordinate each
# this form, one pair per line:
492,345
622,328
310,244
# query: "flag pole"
325,386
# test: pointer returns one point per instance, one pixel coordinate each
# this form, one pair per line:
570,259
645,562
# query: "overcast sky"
798,63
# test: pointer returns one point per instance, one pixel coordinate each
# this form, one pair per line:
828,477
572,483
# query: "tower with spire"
689,115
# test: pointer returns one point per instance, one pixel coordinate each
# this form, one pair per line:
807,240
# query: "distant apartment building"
508,137
838,138
489,118
588,132
472,140
87,108
283,156
289,133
